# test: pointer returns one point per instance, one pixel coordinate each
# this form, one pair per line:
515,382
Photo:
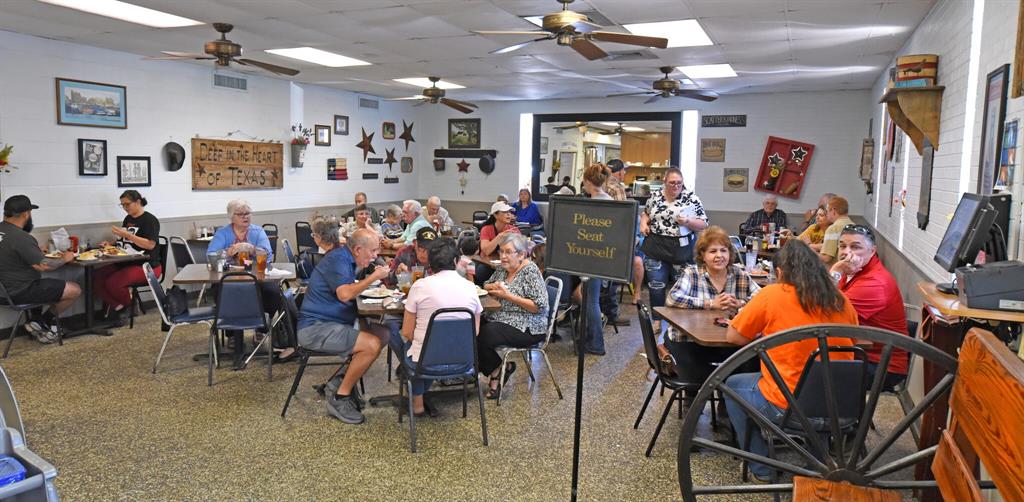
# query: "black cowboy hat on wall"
487,164
174,156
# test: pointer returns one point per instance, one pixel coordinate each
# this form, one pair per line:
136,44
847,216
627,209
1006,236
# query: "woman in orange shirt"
804,295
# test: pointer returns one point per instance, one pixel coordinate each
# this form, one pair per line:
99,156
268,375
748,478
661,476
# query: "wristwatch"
836,276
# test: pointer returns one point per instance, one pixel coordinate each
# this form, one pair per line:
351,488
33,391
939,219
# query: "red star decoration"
407,134
463,166
390,160
366,144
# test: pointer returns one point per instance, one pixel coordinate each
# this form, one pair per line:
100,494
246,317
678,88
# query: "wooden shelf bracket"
916,110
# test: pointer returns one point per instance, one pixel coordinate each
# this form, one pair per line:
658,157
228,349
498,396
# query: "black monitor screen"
965,235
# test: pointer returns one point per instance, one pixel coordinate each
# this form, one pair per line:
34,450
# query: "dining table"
490,260
696,325
199,273
387,252
89,268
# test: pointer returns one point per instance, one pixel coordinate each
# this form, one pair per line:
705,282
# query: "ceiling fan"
224,52
668,87
582,126
618,131
571,28
435,94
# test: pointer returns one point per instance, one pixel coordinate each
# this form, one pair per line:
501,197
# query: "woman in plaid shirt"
715,282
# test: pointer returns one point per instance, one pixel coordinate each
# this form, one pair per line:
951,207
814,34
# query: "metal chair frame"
175,240
505,351
163,249
9,304
217,319
159,297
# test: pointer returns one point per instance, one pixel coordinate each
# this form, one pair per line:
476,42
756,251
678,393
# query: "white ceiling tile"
621,12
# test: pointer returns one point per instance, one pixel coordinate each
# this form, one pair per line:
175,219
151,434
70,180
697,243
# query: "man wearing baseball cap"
614,186
21,267
413,255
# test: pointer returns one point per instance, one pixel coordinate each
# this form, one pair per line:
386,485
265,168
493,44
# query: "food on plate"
54,254
480,291
377,293
89,255
114,251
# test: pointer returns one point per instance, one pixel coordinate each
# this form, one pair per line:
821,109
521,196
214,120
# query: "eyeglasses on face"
243,215
125,204
674,183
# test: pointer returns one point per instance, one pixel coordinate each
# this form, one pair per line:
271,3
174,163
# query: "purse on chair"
176,303
666,359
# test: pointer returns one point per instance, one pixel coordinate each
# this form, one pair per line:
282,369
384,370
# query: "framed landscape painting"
463,133
91,104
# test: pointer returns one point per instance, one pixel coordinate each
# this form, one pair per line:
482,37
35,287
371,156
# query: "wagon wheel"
855,463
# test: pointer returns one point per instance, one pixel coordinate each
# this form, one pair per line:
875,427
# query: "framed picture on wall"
134,172
91,104
341,125
463,133
92,157
992,127
322,135
387,130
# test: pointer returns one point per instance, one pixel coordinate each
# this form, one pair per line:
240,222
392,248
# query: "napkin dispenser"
992,286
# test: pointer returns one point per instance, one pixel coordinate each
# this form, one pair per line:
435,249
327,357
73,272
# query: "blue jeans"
661,276
594,341
745,384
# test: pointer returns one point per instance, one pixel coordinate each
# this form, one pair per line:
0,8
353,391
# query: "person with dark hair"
468,246
595,178
139,231
360,200
444,289
526,210
551,187
875,296
416,254
567,184
21,267
361,220
614,185
804,295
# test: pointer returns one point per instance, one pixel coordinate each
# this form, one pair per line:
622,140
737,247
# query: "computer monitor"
967,232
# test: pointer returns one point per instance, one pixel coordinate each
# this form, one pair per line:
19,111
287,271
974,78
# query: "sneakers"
345,409
619,321
331,389
42,332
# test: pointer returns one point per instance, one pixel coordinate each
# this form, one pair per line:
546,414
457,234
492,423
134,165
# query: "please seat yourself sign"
593,238
236,165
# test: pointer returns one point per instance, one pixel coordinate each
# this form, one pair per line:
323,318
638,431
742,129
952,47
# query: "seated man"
837,219
412,215
360,200
328,322
437,215
21,264
445,289
874,294
766,215
550,188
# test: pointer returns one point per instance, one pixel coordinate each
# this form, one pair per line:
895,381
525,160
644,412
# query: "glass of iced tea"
243,258
417,273
261,261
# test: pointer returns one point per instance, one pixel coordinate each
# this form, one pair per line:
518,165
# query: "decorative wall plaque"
236,165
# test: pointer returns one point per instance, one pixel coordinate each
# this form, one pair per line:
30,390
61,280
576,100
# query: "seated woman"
527,211
814,235
803,296
499,223
392,227
139,230
444,289
522,320
713,283
362,220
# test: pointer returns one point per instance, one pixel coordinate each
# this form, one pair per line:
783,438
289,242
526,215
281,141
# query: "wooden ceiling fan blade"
456,105
407,99
587,49
273,68
601,131
518,46
467,104
627,38
573,126
520,33
699,94
194,55
176,58
585,26
628,94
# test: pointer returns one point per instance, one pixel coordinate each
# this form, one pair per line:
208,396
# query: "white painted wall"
835,122
172,101
946,31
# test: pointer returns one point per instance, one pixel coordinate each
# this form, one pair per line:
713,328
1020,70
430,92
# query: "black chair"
272,235
663,377
198,315
239,307
162,251
448,353
7,303
847,384
304,237
182,254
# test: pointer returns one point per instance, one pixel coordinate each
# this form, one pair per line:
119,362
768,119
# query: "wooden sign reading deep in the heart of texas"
236,165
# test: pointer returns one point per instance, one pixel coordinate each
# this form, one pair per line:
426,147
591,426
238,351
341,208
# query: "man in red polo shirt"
874,294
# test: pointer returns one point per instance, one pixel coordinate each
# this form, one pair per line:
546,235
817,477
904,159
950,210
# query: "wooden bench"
987,404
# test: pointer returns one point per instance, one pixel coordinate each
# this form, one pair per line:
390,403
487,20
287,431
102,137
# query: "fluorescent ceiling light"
632,128
126,12
682,33
318,56
537,20
613,124
424,82
708,71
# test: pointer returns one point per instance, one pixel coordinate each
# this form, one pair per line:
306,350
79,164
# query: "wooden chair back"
987,405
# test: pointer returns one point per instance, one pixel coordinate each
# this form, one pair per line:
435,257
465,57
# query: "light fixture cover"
126,12
317,56
424,82
708,71
681,33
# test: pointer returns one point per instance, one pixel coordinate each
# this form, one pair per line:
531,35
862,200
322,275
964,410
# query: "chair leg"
389,362
412,420
501,379
270,356
131,308
464,400
210,357
664,415
164,347
303,360
529,365
401,395
483,413
60,331
650,394
199,299
14,331
551,373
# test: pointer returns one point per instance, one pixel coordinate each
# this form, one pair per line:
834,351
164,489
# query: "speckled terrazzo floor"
116,431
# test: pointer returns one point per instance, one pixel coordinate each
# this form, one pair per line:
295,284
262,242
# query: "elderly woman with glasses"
522,319
139,230
669,222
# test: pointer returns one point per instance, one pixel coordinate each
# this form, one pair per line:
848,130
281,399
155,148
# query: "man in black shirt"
21,265
550,188
567,183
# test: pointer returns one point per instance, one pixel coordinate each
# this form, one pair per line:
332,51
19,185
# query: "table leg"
90,301
946,338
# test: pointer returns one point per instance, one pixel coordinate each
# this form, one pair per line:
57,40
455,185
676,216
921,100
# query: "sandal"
492,392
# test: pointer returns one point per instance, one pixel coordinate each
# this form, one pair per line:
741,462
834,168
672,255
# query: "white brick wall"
946,31
169,101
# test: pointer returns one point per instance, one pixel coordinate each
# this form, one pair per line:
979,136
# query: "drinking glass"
404,282
261,261
417,273
243,258
751,259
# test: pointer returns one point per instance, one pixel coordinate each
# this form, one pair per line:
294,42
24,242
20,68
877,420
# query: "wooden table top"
488,302
387,252
491,261
950,305
697,325
110,260
200,240
197,273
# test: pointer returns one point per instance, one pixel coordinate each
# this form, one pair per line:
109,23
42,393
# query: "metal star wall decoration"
798,154
774,159
366,144
407,134
463,166
390,160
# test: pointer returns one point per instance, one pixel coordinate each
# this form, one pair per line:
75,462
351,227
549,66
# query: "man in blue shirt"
412,214
328,320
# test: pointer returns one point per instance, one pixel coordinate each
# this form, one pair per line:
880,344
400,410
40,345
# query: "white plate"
86,258
481,292
377,293
53,256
